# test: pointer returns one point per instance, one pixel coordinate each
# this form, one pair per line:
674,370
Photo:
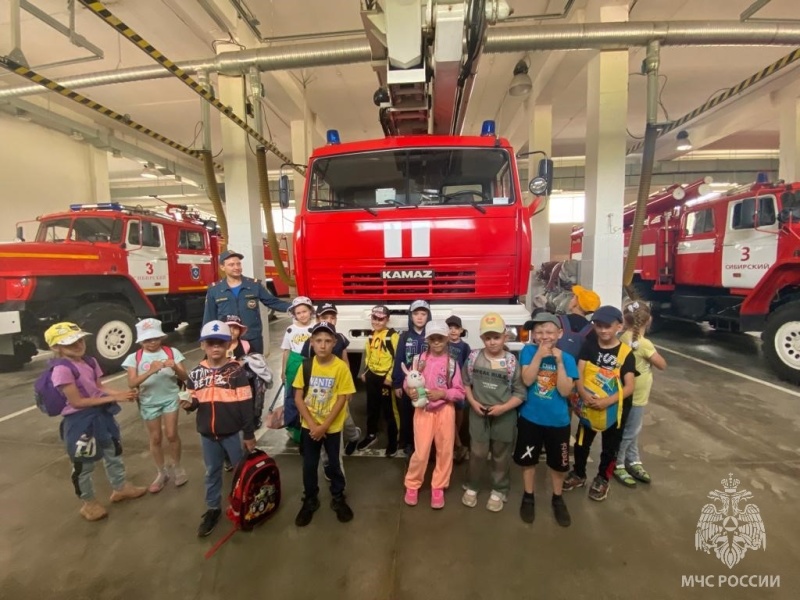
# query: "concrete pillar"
99,186
606,119
242,203
789,161
540,137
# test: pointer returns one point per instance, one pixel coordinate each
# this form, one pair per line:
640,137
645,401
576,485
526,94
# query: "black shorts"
532,437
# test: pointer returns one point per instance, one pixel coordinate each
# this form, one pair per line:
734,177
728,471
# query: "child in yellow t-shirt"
637,320
321,402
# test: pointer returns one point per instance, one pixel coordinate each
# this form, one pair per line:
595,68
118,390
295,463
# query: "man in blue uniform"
239,295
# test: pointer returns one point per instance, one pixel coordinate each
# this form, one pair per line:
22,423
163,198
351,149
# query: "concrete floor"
702,424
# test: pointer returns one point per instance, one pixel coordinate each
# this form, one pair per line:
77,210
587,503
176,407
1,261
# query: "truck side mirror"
542,184
283,191
20,233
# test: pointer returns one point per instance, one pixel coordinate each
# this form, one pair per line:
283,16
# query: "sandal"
621,475
638,472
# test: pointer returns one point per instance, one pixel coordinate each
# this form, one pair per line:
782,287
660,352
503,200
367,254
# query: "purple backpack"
49,399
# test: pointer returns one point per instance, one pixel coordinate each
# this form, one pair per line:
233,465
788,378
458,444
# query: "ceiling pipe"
621,36
591,36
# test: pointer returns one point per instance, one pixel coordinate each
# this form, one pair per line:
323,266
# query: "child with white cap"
436,421
223,399
155,370
302,311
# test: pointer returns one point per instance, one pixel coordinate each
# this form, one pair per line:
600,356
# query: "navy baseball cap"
323,326
327,307
607,314
229,254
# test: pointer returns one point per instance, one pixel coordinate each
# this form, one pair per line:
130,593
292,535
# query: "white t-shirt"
295,336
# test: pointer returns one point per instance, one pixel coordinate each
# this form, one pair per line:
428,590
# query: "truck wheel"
113,332
781,339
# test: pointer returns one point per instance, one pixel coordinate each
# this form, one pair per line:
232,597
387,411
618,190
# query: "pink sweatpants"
439,426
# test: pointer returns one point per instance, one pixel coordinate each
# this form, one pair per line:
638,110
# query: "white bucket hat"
148,329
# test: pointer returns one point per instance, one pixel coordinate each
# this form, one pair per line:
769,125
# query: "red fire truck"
732,260
434,217
103,266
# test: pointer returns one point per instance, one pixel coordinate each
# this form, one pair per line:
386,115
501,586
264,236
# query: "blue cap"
607,314
229,254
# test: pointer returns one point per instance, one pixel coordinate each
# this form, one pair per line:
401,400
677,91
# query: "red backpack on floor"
255,494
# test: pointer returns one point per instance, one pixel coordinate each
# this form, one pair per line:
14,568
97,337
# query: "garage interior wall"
41,171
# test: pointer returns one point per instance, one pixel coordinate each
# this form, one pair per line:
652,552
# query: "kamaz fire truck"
731,260
436,217
103,266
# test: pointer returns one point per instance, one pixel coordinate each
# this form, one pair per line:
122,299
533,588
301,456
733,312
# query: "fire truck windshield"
411,177
80,229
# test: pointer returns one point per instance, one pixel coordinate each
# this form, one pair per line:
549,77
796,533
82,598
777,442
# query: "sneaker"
460,454
210,520
560,511
407,451
638,472
310,506
343,512
227,465
621,475
495,502
391,450
127,492
437,498
573,481
92,510
350,448
527,510
599,489
412,497
326,471
470,498
159,482
180,477
368,441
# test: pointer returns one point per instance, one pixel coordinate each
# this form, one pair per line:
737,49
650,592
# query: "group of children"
517,407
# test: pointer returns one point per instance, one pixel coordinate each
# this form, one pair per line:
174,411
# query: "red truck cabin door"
697,260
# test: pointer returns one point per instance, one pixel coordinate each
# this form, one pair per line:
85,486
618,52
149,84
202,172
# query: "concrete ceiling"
341,96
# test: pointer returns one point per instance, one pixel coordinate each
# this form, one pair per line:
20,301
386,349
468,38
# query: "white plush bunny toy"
414,379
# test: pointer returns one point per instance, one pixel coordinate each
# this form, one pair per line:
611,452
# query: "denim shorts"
154,411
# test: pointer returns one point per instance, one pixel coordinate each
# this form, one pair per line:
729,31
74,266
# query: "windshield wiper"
370,211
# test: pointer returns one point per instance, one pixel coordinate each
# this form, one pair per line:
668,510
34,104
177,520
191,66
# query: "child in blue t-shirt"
156,372
544,417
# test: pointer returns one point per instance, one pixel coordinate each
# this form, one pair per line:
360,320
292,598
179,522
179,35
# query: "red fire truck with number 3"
732,260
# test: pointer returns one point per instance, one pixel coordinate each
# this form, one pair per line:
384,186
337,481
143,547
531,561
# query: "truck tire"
781,342
113,332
